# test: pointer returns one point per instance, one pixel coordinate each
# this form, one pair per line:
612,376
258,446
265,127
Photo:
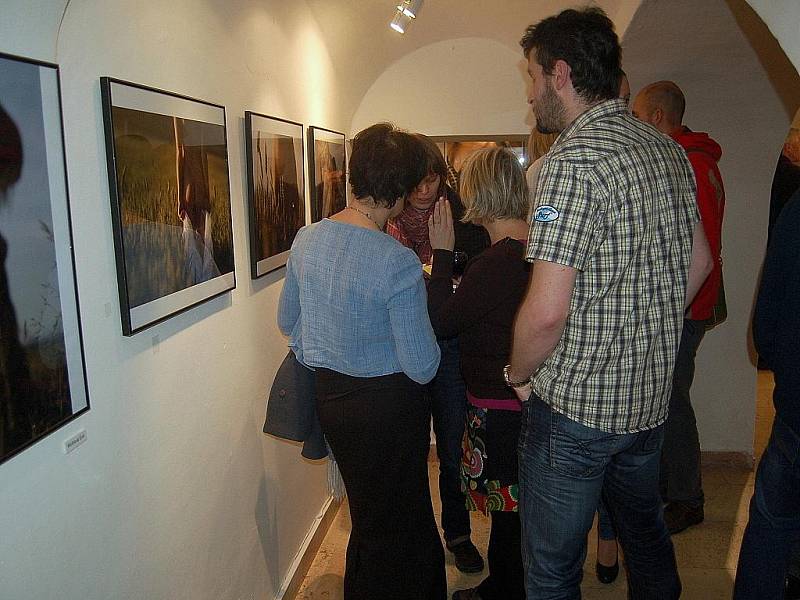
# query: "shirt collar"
606,108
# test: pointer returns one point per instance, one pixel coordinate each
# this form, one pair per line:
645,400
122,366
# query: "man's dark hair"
586,41
386,164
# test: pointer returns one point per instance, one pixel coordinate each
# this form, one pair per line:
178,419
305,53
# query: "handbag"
292,408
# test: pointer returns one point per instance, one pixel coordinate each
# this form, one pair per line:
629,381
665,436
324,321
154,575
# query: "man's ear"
562,74
658,117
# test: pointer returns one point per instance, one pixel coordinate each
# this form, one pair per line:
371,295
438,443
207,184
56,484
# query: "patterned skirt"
489,477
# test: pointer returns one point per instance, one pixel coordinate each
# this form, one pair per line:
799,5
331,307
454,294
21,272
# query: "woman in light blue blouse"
354,308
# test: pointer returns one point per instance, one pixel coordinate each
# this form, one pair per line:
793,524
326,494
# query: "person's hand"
440,226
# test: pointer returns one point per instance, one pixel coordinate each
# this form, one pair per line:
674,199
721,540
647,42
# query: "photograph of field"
170,201
275,189
328,190
42,383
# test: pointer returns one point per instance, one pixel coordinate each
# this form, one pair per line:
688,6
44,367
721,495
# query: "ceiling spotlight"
410,8
406,11
400,22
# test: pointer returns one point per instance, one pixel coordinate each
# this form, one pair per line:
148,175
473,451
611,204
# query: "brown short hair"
493,186
386,164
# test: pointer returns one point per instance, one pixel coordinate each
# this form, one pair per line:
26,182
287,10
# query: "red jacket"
704,153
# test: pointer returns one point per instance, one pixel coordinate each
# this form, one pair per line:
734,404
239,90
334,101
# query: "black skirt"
378,430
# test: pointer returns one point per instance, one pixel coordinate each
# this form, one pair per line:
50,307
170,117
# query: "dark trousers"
680,457
449,409
378,430
506,580
774,526
564,468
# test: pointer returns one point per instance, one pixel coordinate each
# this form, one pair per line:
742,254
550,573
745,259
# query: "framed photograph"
170,201
42,370
456,149
326,159
275,189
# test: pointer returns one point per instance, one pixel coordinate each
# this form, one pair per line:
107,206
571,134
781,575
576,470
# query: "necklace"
365,214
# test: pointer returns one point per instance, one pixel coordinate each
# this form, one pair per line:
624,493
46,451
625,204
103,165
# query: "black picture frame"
169,181
43,371
327,166
275,189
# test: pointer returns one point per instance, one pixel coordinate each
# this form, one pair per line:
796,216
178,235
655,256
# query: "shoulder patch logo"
545,214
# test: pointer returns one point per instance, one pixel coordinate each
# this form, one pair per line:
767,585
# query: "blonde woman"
481,313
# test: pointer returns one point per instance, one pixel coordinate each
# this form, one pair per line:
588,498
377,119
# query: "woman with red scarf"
447,391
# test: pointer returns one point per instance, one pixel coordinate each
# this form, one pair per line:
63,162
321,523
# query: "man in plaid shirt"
617,256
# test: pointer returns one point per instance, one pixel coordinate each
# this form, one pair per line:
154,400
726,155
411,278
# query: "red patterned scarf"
410,228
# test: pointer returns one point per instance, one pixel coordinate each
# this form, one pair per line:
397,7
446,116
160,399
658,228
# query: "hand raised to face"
440,226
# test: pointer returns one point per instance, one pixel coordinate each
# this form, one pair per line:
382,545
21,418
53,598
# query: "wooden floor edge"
310,552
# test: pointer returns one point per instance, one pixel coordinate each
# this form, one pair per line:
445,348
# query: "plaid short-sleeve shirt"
616,201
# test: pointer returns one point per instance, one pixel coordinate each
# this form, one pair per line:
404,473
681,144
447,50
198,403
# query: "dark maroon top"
481,311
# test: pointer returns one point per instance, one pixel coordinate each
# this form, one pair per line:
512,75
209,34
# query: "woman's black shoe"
606,574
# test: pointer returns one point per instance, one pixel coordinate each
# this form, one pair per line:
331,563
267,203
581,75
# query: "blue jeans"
565,467
449,409
774,526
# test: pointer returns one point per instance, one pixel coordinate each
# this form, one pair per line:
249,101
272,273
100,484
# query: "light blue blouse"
354,301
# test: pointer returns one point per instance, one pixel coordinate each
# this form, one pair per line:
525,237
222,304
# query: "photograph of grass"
326,161
42,371
170,200
276,198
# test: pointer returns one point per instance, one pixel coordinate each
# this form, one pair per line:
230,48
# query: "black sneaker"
679,516
468,559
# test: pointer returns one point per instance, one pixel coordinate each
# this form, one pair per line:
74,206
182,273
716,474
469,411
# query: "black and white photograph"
170,200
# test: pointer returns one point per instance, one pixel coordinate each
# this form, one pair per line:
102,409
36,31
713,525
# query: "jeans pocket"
579,451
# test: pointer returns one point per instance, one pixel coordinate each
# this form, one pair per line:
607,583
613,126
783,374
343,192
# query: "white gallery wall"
460,86
743,91
176,493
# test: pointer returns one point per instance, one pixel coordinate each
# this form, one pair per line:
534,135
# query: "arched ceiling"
362,46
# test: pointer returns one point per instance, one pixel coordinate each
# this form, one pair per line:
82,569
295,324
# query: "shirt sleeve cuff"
442,264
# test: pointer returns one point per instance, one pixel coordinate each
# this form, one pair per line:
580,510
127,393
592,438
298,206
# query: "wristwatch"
514,384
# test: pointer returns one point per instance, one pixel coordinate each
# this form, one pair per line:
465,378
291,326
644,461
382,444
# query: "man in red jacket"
662,105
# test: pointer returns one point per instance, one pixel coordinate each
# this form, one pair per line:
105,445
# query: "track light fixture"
410,7
406,11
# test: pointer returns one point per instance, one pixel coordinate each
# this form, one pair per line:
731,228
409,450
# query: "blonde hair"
493,186
539,144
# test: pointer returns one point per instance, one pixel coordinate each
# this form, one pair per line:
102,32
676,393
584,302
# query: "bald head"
661,104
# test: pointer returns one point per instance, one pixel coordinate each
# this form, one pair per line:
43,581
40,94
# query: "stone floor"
706,554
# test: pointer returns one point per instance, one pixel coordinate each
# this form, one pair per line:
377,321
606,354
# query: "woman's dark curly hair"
386,164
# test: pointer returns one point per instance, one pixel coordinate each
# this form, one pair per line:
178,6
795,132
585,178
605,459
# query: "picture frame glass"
42,371
275,189
328,166
171,202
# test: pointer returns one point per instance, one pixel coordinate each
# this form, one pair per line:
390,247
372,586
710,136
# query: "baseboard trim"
308,550
735,460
